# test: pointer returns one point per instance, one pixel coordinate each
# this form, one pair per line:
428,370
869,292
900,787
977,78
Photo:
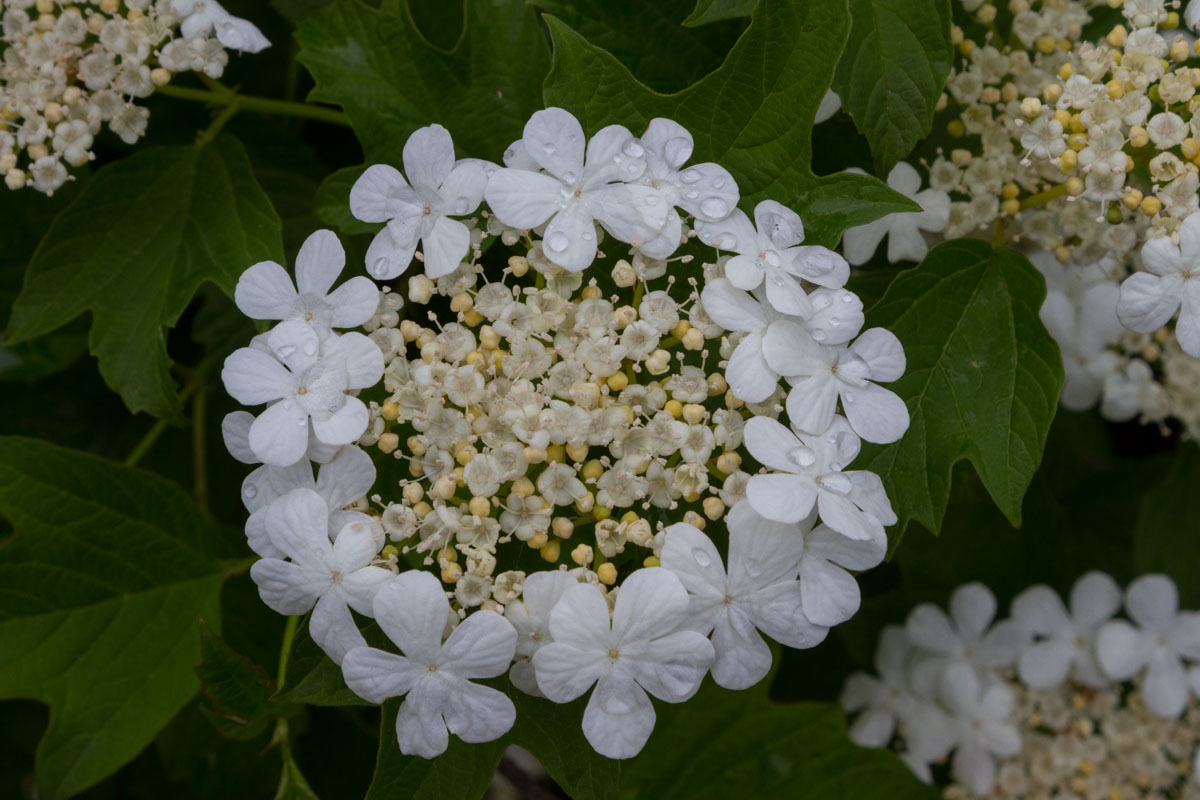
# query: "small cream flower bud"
412,492
714,509
420,289
606,573
14,179
388,443
693,339
623,274
562,527
582,555
160,76
443,488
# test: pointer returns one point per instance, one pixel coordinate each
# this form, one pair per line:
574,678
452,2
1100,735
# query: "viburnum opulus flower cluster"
1059,700
607,439
69,69
1084,153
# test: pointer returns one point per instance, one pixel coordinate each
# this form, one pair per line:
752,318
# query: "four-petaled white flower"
303,379
574,192
435,676
266,291
965,636
706,191
831,595
982,725
1170,282
348,476
769,251
440,188
639,649
1067,643
759,591
198,17
822,375
328,578
1161,638
905,242
531,617
811,473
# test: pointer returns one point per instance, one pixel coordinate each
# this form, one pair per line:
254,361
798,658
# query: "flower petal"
565,672
877,414
973,607
619,717
779,224
669,667
298,525
345,425
883,353
708,192
479,713
412,611
570,238
781,497
778,611
693,558
554,139
361,586
265,291
252,377
811,403
830,594
770,443
381,193
651,600
376,675
348,477
428,156
580,618
742,657
420,729
279,436
1040,610
1045,665
523,199
1121,650
319,262
1153,601
288,588
860,242
929,628
733,234
732,308
1165,687
354,302
445,246
333,627
462,191
750,378
235,430
1147,302
482,646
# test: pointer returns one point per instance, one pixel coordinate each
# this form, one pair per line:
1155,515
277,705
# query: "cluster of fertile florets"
1086,158
1056,701
566,405
69,69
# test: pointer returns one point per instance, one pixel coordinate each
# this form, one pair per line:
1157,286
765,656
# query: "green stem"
285,650
156,430
218,122
1042,198
266,105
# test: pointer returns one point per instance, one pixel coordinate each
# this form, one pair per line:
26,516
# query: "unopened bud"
388,443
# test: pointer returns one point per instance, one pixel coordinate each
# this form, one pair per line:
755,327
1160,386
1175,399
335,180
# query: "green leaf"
1164,538
390,80
553,733
463,771
707,11
100,590
649,38
144,234
754,115
982,381
892,72
332,203
724,744
313,678
238,692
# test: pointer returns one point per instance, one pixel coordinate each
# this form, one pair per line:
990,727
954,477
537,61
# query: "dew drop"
772,258
847,299
848,397
588,236
803,456
714,207
461,205
737,389
701,557
691,194
285,350
690,176
569,177
633,169
777,279
509,153
820,302
557,241
573,138
834,321
310,347
633,149
727,241
287,405
650,200
718,182
548,147
251,491
301,422
617,704
818,335
379,267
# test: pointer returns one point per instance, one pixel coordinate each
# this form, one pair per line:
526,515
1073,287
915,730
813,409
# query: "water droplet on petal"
379,267
819,335
727,241
588,236
287,405
718,182
847,397
777,279
633,169
834,321
714,207
650,200
616,704
250,491
302,421
509,153
462,205
572,138
548,147
285,350
569,177
702,558
847,298
633,149
803,456
310,347
690,176
691,194
557,241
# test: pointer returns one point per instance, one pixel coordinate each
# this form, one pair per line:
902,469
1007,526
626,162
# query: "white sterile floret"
435,677
1154,646
303,379
440,188
347,477
905,242
638,650
882,703
821,375
759,591
1066,640
199,17
964,636
811,473
574,193
266,291
531,617
706,191
328,578
1170,282
981,715
769,251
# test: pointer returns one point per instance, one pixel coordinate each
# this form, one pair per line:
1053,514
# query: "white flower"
758,591
750,377
1067,643
770,251
346,478
235,430
440,187
639,650
982,725
328,578
830,104
706,191
201,16
1043,138
309,383
266,291
531,617
905,242
851,503
573,193
1166,130
1162,638
821,375
435,676
964,635
1172,279
830,592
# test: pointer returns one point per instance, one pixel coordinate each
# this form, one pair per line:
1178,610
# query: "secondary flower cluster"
67,69
565,440
1042,704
